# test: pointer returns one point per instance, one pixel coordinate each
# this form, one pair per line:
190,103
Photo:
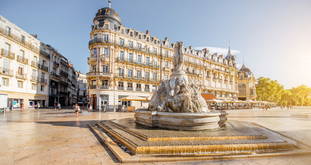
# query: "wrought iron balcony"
43,80
22,59
43,67
21,75
34,64
100,40
34,78
7,54
104,87
6,71
92,86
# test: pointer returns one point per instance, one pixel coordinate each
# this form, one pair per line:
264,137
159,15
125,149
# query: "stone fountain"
178,126
178,104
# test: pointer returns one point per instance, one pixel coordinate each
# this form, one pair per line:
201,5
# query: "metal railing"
7,54
21,75
43,67
21,59
6,71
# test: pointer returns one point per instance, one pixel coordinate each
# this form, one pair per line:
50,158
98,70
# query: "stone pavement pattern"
59,137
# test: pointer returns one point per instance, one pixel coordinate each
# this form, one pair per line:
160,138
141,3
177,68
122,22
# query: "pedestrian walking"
77,110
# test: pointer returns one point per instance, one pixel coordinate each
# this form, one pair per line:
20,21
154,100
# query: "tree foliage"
272,90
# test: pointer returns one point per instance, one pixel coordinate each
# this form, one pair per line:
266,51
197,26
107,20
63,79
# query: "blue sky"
272,36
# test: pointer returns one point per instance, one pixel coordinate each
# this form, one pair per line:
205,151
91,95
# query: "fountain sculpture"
178,104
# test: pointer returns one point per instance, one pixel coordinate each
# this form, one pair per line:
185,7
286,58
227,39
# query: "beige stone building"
24,75
246,84
124,62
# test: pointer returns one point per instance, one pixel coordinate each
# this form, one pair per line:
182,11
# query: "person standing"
59,106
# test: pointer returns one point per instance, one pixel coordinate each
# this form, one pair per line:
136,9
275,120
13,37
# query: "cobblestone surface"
60,137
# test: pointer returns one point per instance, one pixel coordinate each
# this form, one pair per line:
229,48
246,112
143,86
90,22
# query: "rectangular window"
7,48
5,82
139,59
147,75
20,70
130,73
121,41
105,68
147,88
22,53
120,85
6,64
131,57
131,45
139,74
106,52
106,37
8,30
121,55
121,72
41,88
23,39
139,45
138,87
105,84
129,86
147,60
20,84
93,68
94,52
155,76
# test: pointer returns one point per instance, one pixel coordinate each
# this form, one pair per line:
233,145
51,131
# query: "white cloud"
223,51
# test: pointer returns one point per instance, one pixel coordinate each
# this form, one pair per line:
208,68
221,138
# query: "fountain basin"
181,121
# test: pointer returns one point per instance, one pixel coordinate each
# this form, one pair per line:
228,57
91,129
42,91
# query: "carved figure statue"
178,94
178,57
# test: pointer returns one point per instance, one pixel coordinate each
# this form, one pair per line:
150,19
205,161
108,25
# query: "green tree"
269,90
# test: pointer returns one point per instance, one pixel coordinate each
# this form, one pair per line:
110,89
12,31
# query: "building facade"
82,92
23,67
246,84
63,79
124,62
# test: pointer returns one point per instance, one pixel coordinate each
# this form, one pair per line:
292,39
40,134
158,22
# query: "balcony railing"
131,61
104,87
63,73
120,88
43,80
21,75
6,71
100,40
55,64
45,54
7,54
34,64
129,88
138,89
98,73
43,67
147,89
22,59
34,78
19,40
92,86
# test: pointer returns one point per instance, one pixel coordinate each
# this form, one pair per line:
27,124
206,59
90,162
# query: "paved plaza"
60,137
